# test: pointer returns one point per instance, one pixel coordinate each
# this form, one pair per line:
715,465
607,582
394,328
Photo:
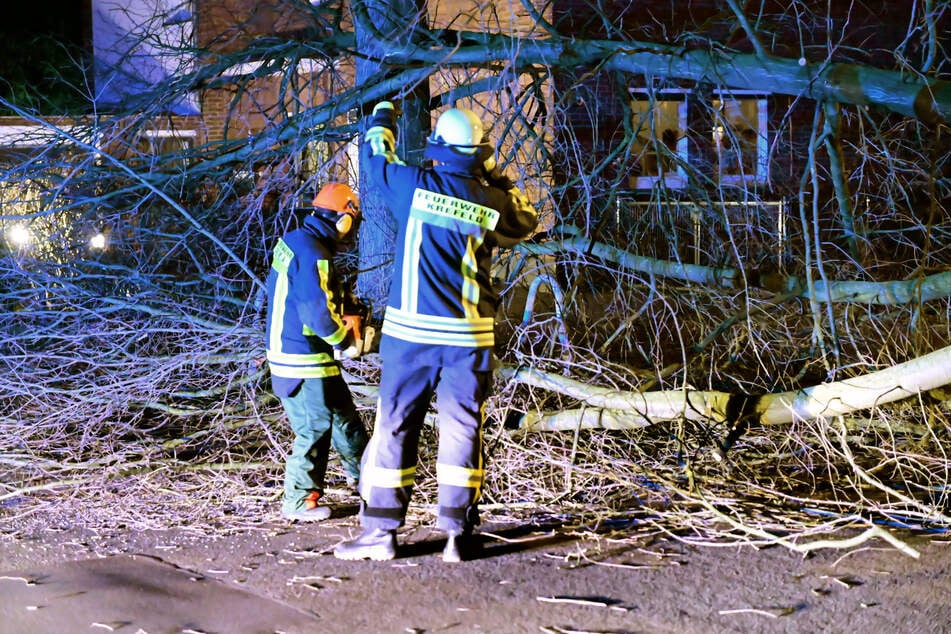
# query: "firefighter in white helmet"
438,329
307,324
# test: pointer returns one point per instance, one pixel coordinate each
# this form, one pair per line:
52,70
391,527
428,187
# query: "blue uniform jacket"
441,307
305,305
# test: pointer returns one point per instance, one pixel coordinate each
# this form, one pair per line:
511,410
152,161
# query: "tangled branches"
153,414
132,386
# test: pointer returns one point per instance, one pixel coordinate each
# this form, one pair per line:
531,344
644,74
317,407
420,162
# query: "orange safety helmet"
339,198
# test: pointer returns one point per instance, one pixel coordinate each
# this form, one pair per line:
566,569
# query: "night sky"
42,42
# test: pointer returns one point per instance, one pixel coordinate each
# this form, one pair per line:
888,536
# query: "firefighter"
306,330
438,328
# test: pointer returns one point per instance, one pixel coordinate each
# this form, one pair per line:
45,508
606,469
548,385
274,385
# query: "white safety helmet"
459,128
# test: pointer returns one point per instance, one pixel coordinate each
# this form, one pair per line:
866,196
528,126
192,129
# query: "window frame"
676,178
718,136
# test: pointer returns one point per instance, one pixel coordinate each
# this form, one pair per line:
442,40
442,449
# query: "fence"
708,233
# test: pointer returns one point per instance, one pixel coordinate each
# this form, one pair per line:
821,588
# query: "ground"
537,573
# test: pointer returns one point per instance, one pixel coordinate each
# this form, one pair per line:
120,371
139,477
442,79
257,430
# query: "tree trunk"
926,99
891,292
389,18
901,381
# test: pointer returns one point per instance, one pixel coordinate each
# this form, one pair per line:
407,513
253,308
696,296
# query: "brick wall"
225,26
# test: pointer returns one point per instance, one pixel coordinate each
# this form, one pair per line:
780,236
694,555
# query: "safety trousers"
320,413
392,455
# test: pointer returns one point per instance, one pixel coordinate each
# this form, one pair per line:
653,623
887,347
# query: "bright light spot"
802,61
19,235
98,241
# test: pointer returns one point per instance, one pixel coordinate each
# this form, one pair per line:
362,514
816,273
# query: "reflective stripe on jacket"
304,317
449,218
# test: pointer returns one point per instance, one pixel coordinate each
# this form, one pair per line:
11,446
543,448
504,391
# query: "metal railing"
701,233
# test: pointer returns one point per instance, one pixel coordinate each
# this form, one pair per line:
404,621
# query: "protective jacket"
305,307
441,307
438,329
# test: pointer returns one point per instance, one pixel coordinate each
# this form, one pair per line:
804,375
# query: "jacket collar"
448,160
321,228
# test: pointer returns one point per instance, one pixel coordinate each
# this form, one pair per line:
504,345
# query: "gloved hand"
351,348
496,178
381,134
489,164
491,171
354,325
350,352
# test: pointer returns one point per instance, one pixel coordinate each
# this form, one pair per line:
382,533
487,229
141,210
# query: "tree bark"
638,409
921,98
387,20
895,292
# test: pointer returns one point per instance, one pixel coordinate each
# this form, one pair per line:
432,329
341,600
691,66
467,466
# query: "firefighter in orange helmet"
306,331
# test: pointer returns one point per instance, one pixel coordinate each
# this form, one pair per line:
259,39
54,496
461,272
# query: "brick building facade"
733,138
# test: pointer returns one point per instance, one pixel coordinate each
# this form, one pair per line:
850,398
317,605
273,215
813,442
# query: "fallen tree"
133,373
622,410
921,289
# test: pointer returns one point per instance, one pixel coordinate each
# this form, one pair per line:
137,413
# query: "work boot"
310,511
315,514
376,544
460,546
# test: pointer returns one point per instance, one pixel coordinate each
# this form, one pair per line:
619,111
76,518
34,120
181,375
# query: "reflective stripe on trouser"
389,464
320,413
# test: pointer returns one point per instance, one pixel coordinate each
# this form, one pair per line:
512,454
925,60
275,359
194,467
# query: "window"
660,138
168,145
739,137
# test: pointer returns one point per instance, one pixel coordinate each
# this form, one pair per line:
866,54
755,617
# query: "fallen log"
892,292
640,409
